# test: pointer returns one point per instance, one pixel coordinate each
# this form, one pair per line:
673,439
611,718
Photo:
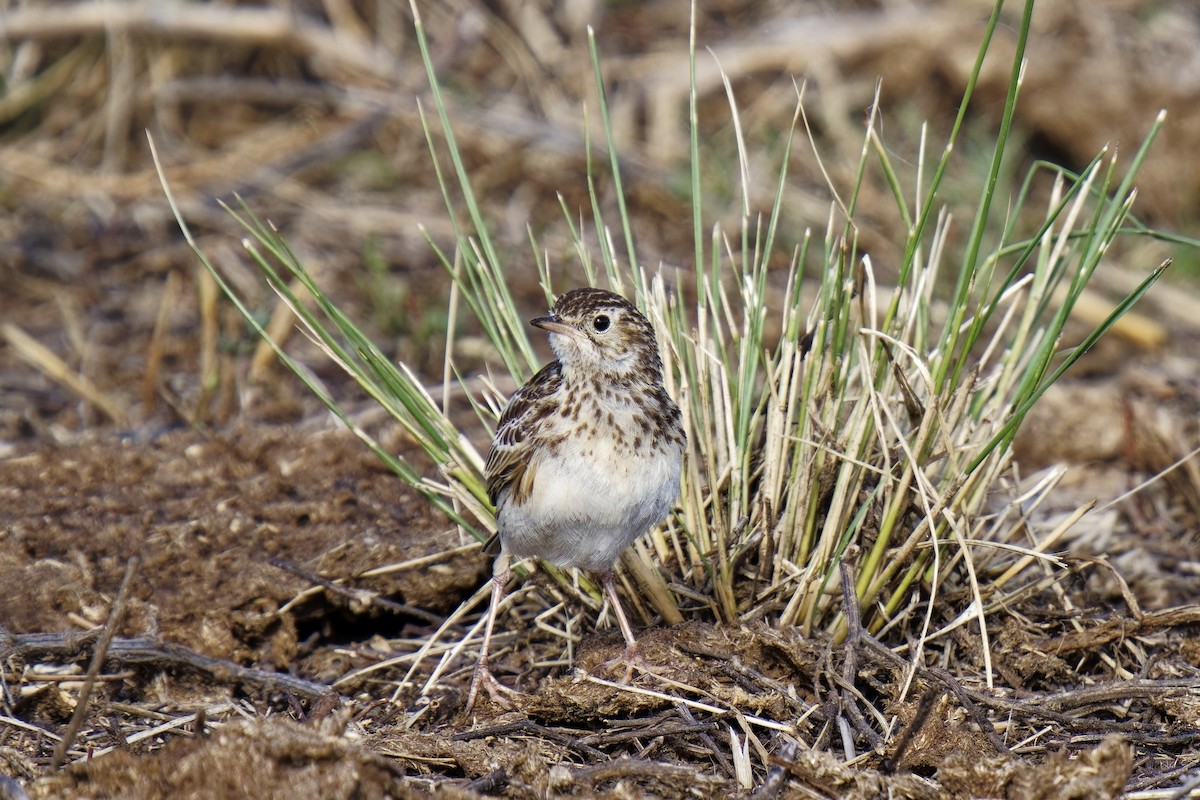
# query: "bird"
587,454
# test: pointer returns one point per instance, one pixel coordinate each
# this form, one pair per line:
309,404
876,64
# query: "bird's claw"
497,692
632,660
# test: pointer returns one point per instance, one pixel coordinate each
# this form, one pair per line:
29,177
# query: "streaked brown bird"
587,454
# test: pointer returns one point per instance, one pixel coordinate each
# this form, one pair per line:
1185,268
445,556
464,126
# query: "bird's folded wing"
508,463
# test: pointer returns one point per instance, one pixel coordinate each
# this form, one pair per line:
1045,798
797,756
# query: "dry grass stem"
49,363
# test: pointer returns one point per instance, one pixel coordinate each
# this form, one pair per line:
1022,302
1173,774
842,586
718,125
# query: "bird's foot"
496,691
631,659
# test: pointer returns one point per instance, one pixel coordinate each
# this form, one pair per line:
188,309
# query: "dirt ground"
262,587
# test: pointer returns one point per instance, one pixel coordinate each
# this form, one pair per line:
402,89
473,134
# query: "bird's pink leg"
631,657
483,676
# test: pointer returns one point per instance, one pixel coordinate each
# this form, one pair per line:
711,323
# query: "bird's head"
596,331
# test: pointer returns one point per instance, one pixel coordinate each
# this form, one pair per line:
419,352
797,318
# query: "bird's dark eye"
601,323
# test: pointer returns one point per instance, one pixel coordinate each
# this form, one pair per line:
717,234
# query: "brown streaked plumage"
587,454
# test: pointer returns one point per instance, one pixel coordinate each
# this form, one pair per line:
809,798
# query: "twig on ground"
529,727
1186,788
492,783
968,700
849,691
98,655
147,651
702,729
920,716
772,786
637,769
357,595
1121,628
659,727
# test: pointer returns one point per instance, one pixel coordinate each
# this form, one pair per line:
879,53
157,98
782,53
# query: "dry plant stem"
281,326
773,785
861,638
146,651
1185,790
703,730
850,667
967,699
920,717
635,769
526,726
1121,628
89,682
277,27
662,725
359,595
155,352
38,355
492,783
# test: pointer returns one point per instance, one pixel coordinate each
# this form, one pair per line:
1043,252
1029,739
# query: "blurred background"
311,112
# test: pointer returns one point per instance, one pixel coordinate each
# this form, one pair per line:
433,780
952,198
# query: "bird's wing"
508,463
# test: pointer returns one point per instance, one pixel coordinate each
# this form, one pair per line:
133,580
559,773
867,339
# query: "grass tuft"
841,425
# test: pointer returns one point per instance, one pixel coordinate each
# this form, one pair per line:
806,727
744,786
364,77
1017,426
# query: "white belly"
586,507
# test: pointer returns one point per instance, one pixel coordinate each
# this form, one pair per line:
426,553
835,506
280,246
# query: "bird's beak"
554,325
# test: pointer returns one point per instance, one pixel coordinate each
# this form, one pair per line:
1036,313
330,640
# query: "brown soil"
263,647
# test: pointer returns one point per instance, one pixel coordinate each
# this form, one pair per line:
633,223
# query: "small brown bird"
587,454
